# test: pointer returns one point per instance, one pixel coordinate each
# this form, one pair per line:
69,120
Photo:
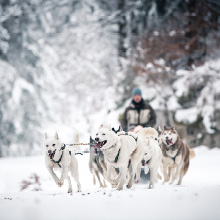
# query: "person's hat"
136,91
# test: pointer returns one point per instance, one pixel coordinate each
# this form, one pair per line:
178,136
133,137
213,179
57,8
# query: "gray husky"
97,164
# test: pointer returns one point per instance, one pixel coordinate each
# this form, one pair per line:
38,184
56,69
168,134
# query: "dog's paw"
150,186
166,180
114,185
119,188
60,183
129,186
137,181
114,181
70,191
103,186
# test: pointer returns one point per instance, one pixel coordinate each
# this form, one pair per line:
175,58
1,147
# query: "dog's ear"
56,136
173,128
164,127
46,136
101,126
159,129
91,141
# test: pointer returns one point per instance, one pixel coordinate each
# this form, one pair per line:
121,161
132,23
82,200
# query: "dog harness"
58,162
62,148
117,156
126,133
174,158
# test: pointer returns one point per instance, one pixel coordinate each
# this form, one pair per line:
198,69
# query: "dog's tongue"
51,155
169,141
98,145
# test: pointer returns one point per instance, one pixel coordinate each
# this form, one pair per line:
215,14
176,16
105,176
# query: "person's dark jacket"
138,114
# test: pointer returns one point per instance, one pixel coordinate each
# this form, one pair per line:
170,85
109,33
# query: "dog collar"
109,147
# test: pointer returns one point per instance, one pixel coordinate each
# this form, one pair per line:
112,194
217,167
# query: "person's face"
137,98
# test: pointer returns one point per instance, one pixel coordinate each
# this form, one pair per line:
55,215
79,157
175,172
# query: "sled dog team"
119,157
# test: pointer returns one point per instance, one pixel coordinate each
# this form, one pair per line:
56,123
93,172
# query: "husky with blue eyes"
123,150
61,157
176,156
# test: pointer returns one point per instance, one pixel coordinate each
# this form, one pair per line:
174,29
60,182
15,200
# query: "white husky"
152,154
118,149
58,155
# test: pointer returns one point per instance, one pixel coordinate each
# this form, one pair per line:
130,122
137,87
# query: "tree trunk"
122,29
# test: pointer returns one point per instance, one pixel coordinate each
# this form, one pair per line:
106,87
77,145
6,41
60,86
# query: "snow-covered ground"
197,198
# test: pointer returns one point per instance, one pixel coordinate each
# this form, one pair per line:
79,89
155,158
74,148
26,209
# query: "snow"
197,198
186,116
172,33
206,104
173,103
21,84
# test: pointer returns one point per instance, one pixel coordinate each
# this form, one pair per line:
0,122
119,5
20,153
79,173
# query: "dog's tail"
192,154
76,141
74,147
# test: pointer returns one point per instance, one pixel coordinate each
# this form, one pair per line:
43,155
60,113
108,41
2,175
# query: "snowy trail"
198,197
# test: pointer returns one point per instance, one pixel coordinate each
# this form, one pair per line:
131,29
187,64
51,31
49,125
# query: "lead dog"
59,156
152,154
176,155
118,149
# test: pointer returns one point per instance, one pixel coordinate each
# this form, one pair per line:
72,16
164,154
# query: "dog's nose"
49,151
97,139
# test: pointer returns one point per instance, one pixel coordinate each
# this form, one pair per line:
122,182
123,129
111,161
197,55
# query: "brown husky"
176,155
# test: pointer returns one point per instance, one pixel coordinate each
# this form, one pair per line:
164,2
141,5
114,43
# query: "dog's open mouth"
100,144
169,141
51,154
